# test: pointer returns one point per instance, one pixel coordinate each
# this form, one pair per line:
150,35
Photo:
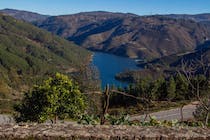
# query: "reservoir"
109,65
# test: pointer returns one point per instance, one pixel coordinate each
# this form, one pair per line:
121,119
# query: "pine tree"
171,89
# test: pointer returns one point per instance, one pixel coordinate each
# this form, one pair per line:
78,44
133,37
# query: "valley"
148,38
141,56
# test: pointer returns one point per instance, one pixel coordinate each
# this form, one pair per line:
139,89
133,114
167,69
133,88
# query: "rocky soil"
74,131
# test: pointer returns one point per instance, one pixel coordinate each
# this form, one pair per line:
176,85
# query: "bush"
86,119
58,97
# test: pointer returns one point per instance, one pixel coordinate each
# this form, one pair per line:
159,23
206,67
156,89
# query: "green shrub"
57,97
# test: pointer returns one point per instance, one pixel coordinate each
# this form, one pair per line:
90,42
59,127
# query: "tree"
171,89
202,113
197,77
153,90
182,87
200,87
58,97
158,89
88,78
142,87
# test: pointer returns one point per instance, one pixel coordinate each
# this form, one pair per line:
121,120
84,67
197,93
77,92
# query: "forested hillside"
29,54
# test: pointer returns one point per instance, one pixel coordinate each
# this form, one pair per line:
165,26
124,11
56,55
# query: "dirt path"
170,114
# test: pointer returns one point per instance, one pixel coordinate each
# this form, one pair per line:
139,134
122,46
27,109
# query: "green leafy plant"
121,120
58,97
86,119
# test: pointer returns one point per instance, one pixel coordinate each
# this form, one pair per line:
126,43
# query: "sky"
139,7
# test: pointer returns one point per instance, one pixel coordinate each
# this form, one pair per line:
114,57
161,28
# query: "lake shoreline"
109,65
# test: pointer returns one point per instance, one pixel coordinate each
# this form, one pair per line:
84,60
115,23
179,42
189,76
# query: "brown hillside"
127,34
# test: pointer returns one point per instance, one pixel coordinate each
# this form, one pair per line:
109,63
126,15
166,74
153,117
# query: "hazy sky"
140,7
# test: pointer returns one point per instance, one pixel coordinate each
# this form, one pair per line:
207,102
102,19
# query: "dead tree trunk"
147,113
207,119
55,119
105,105
181,113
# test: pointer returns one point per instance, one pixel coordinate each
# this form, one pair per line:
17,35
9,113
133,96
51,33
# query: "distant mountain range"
129,35
198,18
203,19
24,15
29,54
145,37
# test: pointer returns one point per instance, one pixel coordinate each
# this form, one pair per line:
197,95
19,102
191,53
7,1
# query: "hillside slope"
28,54
127,34
24,15
203,19
197,17
168,65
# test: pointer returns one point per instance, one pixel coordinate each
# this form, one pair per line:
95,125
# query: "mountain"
29,54
130,35
168,65
145,37
24,15
202,51
198,17
203,19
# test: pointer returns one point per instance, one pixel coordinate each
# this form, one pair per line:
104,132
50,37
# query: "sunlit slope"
28,54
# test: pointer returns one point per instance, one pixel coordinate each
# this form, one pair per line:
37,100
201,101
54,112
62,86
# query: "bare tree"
190,70
88,78
105,104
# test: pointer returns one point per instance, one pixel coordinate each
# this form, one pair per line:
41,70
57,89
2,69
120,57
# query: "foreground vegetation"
60,98
57,98
125,120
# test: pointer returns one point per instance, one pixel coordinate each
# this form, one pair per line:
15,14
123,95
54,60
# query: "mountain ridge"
24,15
196,17
205,16
145,37
98,31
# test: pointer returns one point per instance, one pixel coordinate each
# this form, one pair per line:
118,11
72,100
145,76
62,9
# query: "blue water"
109,65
